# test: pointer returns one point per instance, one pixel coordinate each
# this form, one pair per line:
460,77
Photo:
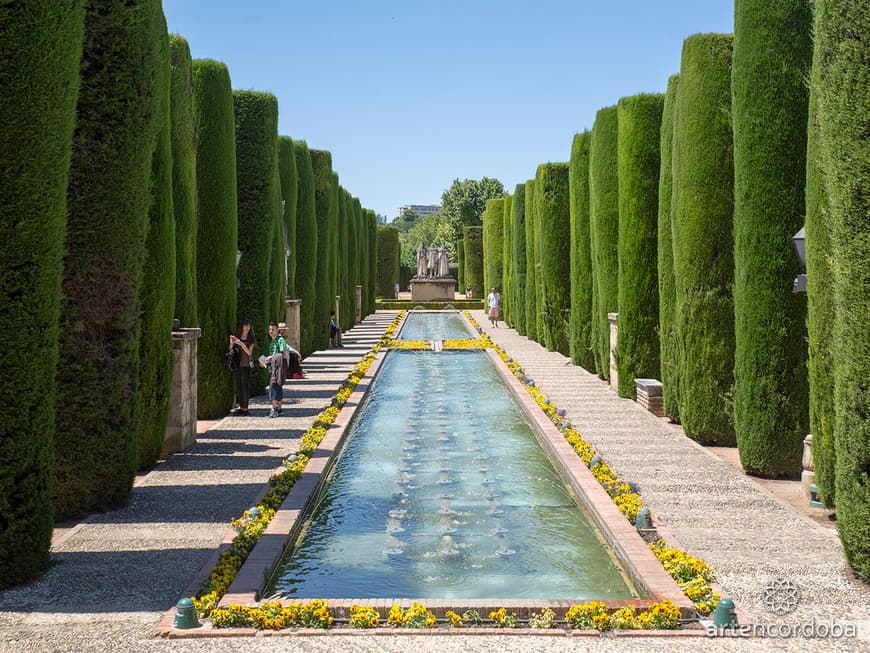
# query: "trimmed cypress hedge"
540,303
702,237
531,282
473,247
373,258
669,346
256,116
841,86
343,287
551,191
388,261
507,233
157,296
334,255
460,261
98,401
183,134
289,195
356,262
40,47
324,204
518,258
493,243
604,229
772,56
580,343
306,247
277,262
639,131
217,233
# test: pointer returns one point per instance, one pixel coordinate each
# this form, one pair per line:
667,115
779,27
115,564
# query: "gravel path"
117,572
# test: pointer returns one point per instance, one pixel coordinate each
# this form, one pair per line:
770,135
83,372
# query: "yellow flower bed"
417,616
273,615
466,343
364,616
409,344
594,614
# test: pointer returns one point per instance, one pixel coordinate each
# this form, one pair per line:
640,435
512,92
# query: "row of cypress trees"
132,175
677,212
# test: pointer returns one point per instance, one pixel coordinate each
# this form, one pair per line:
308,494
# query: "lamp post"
799,243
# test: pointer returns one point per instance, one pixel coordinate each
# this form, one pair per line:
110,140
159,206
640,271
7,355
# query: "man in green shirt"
277,345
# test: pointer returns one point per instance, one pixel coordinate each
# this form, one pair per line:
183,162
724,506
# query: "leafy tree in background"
431,229
462,204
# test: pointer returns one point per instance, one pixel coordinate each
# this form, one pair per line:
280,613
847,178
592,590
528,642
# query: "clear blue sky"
410,95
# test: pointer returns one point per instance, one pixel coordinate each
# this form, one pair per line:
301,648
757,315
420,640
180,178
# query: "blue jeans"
276,392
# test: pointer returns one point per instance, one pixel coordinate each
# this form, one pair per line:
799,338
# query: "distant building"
420,209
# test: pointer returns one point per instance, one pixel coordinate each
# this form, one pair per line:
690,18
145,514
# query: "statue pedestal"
433,289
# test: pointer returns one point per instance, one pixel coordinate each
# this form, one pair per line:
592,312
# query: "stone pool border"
644,570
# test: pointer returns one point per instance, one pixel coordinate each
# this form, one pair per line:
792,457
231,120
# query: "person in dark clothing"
245,340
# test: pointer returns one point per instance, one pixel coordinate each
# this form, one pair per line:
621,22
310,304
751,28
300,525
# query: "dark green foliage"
217,233
518,258
580,336
183,134
493,244
324,204
256,116
841,89
278,260
334,255
604,229
637,351
356,257
98,402
473,247
772,55
343,288
531,274
540,302
464,202
306,247
460,261
374,241
507,234
289,194
552,196
157,296
669,346
388,261
40,47
703,242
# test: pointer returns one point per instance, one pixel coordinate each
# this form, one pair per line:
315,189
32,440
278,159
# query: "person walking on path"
278,350
334,332
245,340
493,300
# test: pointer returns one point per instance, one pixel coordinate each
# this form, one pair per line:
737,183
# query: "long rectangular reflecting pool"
443,491
442,325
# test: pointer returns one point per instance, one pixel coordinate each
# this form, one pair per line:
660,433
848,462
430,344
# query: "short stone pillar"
614,336
808,474
181,425
338,309
292,320
358,304
648,393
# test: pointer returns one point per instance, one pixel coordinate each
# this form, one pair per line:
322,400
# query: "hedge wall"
493,244
531,274
506,305
639,131
98,402
217,233
183,134
157,296
324,204
841,86
604,229
540,302
40,48
289,194
518,259
343,288
473,247
702,237
372,235
334,255
306,247
460,261
772,56
551,190
256,160
277,262
388,261
580,337
356,264
669,346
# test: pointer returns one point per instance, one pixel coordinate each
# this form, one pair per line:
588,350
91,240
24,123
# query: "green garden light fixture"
725,615
185,615
799,243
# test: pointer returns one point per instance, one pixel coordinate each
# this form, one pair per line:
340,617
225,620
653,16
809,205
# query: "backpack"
233,358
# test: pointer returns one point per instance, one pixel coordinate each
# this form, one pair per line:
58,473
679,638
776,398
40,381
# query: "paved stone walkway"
117,572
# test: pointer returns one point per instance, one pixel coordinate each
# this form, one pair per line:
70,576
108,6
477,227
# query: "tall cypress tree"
460,261
669,346
518,258
278,262
580,344
507,233
540,300
306,247
289,194
702,237
356,256
335,262
551,190
158,280
388,260
373,258
217,233
493,221
772,56
343,288
474,260
107,200
604,229
40,47
531,274
321,165
640,124
184,137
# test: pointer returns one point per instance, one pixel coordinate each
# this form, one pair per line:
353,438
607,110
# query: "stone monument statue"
443,262
422,260
433,261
